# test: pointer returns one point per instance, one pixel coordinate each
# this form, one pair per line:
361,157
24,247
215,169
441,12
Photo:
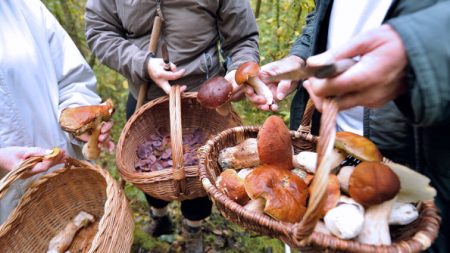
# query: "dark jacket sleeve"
426,35
302,46
107,39
238,32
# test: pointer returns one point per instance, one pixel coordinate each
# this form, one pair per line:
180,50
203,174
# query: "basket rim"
288,229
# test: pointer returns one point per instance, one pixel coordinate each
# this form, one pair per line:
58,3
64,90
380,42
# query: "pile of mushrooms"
87,119
271,187
364,197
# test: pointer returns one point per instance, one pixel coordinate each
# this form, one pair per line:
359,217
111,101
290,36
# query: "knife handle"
332,69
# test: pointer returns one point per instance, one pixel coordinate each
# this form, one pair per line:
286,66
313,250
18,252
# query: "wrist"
146,63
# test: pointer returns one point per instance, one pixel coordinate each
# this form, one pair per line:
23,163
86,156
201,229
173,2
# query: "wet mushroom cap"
373,183
77,120
274,143
246,71
284,192
215,92
358,146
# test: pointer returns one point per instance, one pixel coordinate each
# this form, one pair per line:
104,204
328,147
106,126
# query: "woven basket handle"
176,137
18,173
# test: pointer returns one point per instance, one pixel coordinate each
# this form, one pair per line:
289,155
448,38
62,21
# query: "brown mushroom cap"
77,120
274,143
215,92
233,186
246,71
358,146
372,183
284,192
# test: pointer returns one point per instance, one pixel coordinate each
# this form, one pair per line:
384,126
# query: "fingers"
284,88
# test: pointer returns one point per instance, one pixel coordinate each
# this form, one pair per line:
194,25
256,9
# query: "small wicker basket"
414,237
54,199
178,182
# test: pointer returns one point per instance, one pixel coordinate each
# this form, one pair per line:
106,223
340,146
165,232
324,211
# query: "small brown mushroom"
83,119
247,73
232,185
216,93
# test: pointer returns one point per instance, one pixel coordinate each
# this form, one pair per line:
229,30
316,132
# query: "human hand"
104,138
160,76
375,80
11,157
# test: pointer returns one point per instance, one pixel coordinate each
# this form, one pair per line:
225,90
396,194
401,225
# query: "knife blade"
324,71
165,56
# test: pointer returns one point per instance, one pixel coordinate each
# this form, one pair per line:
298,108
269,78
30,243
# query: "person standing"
398,93
197,35
41,73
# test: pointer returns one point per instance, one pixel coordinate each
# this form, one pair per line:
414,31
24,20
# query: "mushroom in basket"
284,193
87,119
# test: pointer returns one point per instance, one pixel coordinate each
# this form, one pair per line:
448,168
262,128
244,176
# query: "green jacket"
415,128
118,33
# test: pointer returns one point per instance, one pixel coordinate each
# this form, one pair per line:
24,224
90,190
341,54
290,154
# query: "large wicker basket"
411,238
54,199
179,113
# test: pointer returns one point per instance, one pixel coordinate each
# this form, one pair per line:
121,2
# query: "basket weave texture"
53,200
179,113
414,237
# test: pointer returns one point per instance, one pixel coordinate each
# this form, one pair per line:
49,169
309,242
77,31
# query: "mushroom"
375,186
232,185
403,214
357,146
333,194
61,241
274,143
87,119
284,193
243,155
216,93
346,219
306,160
247,73
344,177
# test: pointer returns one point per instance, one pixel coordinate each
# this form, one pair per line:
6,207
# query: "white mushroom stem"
224,109
305,160
244,172
346,219
256,205
91,151
344,177
61,241
261,89
376,224
403,214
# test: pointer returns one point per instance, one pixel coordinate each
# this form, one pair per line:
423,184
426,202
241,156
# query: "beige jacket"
118,33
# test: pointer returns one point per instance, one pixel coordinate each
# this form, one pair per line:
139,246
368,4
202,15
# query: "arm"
426,39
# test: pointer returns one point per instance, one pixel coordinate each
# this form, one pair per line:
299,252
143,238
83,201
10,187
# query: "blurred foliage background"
280,22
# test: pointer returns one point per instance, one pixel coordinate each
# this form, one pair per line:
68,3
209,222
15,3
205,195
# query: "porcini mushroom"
274,143
357,146
243,155
247,73
216,93
375,186
232,185
306,160
87,119
283,192
346,219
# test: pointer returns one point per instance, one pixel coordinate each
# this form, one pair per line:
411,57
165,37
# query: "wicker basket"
411,238
54,199
178,182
